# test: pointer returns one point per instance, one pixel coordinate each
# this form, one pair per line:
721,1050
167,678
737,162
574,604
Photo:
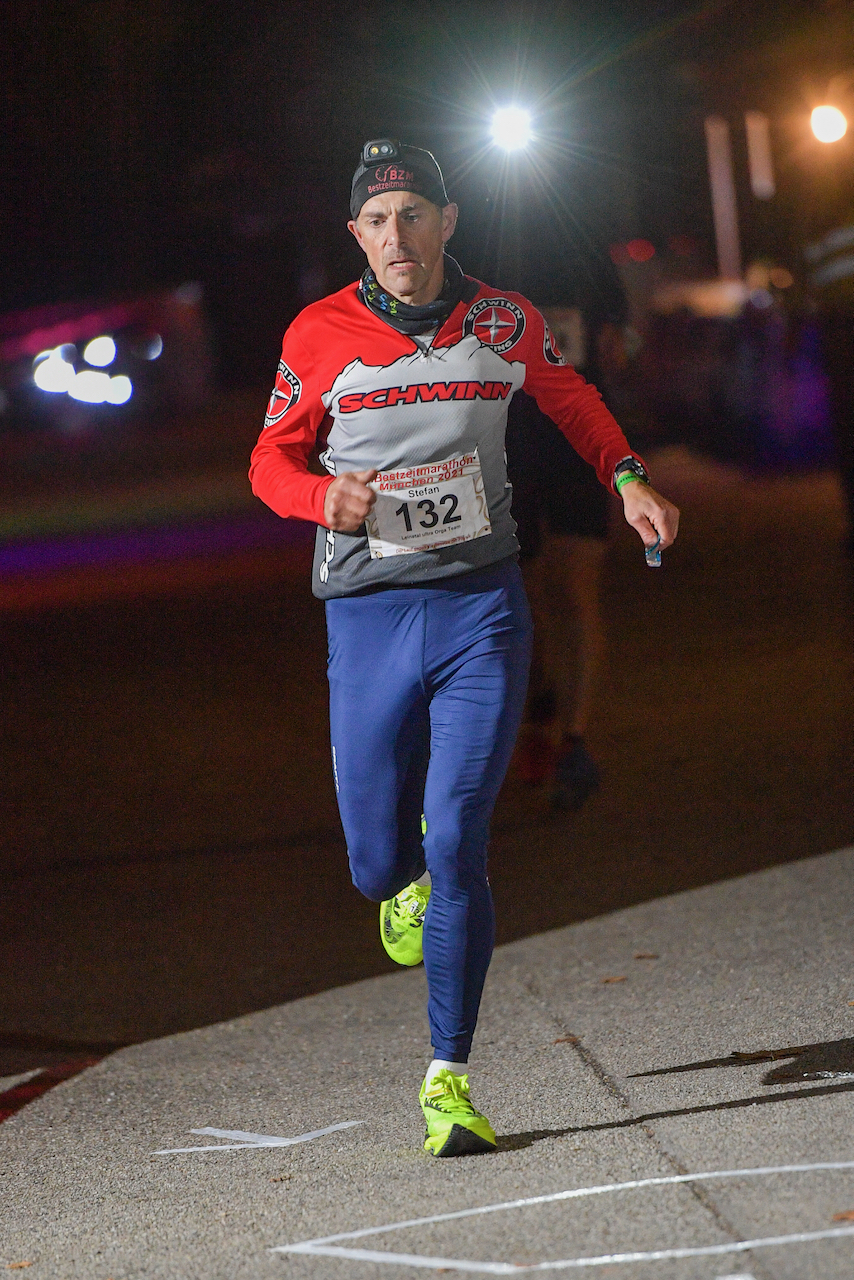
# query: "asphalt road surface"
172,855
670,1084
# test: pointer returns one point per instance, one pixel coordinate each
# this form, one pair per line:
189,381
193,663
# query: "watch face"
632,465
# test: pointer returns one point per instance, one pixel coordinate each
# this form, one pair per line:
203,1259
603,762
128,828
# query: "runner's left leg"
458,653
477,656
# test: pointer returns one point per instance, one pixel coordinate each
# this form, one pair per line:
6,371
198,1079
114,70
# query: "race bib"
436,505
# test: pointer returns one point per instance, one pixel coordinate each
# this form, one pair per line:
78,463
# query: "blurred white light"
153,347
189,294
100,351
89,386
42,355
120,389
511,128
53,374
828,124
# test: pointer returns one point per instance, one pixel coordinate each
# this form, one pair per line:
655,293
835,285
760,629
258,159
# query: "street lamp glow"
828,124
511,128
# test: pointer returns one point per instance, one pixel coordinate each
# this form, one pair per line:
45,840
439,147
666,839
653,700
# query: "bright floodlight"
100,351
89,386
120,389
53,374
511,128
828,124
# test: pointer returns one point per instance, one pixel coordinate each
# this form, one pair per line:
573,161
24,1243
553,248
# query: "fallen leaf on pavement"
646,955
567,1040
620,978
847,1216
16,1266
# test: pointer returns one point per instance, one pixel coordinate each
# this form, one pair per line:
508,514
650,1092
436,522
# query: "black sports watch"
632,467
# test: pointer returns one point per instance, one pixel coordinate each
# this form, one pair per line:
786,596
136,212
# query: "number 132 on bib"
434,505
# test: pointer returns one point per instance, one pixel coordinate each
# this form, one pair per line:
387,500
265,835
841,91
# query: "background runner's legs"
563,587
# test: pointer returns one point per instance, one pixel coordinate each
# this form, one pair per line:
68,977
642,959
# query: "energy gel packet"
653,555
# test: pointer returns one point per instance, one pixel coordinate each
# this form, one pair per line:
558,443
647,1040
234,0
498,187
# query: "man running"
403,380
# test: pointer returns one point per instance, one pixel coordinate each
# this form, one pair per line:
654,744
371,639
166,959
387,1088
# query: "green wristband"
626,478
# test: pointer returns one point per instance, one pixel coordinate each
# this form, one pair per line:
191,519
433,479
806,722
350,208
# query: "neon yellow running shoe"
402,924
454,1127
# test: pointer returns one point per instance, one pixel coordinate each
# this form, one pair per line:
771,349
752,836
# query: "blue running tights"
427,688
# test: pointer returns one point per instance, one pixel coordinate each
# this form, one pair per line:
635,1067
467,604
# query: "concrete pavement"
604,1057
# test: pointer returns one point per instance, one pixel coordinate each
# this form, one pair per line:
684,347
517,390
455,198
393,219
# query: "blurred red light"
619,255
640,250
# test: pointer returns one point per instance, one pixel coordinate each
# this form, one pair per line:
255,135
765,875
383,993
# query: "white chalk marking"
563,1264
255,1141
326,1245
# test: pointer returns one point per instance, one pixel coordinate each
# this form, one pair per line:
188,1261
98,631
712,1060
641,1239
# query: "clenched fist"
348,500
650,514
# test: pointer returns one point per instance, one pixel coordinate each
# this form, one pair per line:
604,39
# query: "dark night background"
172,839
162,141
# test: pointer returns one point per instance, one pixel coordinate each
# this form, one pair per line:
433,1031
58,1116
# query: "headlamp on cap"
380,149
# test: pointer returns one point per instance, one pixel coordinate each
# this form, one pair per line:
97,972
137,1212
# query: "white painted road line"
12,1082
327,1246
563,1264
255,1141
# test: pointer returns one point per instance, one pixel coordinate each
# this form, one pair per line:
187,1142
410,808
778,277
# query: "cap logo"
391,173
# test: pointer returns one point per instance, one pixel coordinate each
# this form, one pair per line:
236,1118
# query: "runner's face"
403,237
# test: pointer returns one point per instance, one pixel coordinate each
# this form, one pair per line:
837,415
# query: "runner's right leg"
380,731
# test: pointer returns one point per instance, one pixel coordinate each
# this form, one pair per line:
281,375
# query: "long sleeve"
574,404
279,466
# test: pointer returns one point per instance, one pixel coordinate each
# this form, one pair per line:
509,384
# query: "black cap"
388,165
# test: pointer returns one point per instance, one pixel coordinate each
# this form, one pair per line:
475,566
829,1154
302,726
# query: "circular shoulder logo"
551,351
286,392
496,322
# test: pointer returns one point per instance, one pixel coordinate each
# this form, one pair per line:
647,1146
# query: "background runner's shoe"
576,775
402,924
454,1127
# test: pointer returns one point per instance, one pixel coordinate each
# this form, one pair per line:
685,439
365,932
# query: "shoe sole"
411,959
462,1142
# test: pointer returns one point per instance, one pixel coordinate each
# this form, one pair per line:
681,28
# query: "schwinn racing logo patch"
286,392
496,322
550,348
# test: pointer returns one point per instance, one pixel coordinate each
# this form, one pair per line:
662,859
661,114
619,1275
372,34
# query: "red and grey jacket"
370,396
